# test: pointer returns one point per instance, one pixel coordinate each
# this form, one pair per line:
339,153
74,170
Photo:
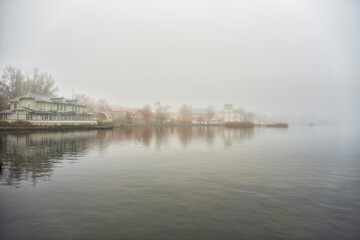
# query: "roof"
41,98
5,112
30,110
36,111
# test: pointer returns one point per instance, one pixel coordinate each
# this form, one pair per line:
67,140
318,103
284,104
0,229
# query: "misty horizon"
296,61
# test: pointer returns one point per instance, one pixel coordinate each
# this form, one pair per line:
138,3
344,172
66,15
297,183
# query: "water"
181,183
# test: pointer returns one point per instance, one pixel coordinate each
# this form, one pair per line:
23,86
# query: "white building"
231,115
40,109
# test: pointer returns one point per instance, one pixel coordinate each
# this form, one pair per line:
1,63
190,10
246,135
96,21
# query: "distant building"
42,109
231,115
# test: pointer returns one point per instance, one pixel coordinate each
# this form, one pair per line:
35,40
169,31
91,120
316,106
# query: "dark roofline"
47,99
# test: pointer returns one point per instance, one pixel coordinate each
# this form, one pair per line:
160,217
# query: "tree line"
16,82
185,115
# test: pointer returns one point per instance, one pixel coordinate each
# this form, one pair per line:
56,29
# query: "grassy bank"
20,125
17,123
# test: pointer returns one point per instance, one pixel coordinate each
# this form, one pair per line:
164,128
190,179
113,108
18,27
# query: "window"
41,106
57,107
15,106
28,105
65,107
61,107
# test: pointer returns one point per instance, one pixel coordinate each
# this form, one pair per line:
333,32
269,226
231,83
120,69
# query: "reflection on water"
181,183
32,156
28,156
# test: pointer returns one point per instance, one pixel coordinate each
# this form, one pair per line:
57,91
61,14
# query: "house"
42,109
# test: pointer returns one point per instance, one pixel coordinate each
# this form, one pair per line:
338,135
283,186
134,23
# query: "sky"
294,60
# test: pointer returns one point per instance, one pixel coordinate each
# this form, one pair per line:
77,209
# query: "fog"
297,61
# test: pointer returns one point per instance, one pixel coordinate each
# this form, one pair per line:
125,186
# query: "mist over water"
181,183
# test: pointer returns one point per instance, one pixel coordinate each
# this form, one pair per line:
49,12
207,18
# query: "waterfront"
181,183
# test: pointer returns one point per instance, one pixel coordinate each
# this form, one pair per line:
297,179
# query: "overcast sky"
294,59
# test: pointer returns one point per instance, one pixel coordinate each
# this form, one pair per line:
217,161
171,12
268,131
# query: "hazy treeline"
101,105
162,114
16,82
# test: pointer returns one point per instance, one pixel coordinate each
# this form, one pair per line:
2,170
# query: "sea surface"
181,183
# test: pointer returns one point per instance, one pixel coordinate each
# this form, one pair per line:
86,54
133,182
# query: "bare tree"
185,113
102,106
14,83
147,113
161,112
89,102
41,83
11,85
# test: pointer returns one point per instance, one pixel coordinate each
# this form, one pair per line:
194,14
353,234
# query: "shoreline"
53,127
144,125
170,125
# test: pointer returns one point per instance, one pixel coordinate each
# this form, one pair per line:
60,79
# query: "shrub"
100,122
4,123
20,123
17,123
